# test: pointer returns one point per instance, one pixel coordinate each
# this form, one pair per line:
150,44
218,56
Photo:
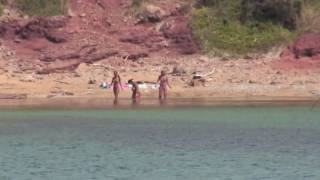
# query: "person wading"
135,91
116,82
164,84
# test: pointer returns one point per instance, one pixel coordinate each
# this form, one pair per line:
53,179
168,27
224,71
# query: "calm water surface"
209,143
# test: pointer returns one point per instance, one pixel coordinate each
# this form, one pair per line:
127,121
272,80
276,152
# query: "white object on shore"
148,86
104,85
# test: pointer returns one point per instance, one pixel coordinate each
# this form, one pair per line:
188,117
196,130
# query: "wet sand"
125,103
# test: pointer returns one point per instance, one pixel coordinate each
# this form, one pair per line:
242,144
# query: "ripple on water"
193,143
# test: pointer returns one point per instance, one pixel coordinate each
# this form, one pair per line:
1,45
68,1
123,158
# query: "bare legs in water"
116,82
164,84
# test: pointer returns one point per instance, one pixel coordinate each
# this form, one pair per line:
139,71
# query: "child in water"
135,90
164,83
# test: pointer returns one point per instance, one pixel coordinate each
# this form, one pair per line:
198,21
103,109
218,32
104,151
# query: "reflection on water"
115,102
105,103
173,144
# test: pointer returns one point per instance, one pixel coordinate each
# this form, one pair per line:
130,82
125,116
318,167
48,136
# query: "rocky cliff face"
94,30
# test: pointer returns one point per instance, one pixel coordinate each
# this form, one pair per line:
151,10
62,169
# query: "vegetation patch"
2,6
309,20
245,26
137,3
42,7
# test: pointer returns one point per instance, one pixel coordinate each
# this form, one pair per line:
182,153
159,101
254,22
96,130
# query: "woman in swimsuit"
116,82
164,83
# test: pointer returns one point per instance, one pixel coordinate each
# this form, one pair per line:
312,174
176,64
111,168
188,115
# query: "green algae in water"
179,143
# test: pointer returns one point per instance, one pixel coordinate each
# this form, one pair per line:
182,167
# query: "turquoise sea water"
203,143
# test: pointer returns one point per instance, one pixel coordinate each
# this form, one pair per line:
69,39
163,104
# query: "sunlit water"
223,143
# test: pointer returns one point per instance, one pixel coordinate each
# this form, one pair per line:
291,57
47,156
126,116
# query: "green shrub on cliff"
242,26
231,36
283,12
2,5
1,8
310,16
137,3
42,7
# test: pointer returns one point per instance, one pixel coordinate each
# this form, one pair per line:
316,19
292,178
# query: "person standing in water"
116,82
164,83
135,91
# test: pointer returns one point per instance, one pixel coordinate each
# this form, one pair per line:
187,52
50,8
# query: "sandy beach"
242,78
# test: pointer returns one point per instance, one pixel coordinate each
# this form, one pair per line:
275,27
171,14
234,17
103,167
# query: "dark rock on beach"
13,96
306,46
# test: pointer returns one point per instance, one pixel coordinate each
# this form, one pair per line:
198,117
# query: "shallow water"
223,143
